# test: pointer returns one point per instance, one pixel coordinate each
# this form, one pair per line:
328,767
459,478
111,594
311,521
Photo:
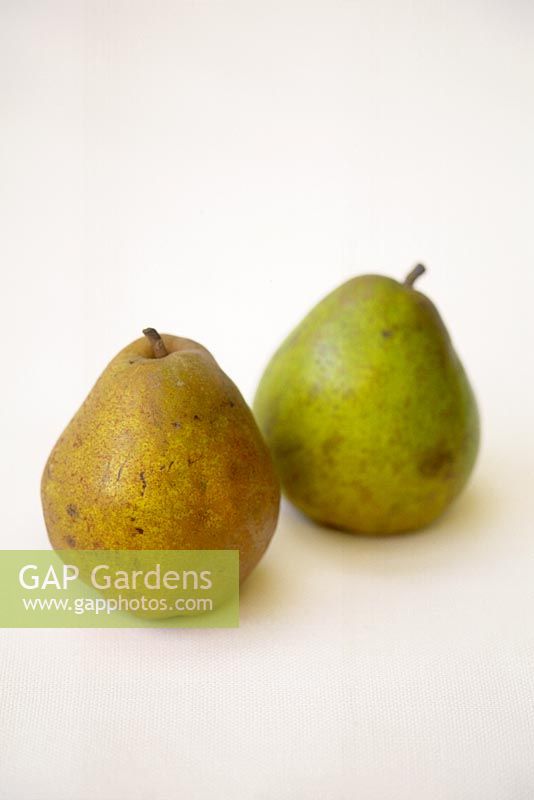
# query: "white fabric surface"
213,169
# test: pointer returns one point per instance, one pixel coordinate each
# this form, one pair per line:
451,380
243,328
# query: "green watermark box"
119,588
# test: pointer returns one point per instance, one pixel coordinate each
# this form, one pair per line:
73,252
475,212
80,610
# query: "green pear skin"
367,410
164,454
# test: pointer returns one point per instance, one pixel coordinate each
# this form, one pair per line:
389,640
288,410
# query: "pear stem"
157,342
412,276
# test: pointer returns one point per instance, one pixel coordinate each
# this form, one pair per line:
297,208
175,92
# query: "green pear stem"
160,351
412,276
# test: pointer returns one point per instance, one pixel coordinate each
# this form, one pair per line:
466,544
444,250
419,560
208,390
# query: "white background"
213,169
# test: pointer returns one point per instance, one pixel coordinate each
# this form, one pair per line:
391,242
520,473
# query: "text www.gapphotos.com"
100,605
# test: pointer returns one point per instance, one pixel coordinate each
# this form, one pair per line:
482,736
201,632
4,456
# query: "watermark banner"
119,588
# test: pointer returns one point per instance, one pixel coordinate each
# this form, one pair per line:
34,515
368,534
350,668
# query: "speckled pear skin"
163,454
368,412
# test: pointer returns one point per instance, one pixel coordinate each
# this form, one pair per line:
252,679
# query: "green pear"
367,410
164,454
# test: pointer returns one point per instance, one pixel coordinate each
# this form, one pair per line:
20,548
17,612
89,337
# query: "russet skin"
164,454
368,412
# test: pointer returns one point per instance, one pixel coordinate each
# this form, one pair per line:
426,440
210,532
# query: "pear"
367,410
164,454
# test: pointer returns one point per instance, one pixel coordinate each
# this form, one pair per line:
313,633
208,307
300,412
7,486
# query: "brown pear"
164,454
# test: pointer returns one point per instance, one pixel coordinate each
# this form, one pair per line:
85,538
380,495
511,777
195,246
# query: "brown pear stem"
412,276
157,342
